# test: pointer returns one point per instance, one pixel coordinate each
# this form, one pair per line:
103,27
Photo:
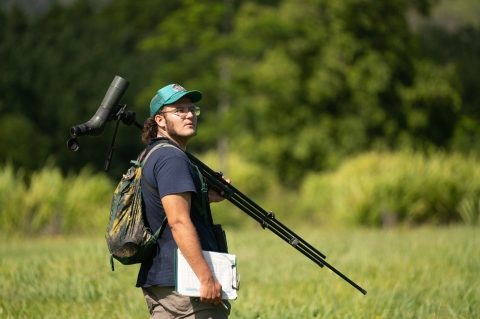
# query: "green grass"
408,273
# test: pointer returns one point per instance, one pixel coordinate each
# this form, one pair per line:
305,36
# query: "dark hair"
150,129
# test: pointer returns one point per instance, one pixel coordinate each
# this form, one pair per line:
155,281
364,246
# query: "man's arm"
177,208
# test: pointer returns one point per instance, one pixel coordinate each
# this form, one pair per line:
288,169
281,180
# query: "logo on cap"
178,88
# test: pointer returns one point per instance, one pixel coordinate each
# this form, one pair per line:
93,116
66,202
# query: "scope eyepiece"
76,131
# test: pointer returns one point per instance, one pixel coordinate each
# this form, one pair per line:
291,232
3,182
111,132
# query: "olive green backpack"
129,239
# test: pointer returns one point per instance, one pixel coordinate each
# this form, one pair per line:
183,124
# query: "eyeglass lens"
184,111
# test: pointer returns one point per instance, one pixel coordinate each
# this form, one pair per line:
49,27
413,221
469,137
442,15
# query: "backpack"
129,239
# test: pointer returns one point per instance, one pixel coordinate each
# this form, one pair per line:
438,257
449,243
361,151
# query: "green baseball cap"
170,94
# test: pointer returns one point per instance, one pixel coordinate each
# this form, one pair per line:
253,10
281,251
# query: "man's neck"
179,140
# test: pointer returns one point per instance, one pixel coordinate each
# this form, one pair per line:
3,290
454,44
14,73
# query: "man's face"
181,124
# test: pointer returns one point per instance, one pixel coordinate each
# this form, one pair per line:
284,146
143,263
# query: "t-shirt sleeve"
174,176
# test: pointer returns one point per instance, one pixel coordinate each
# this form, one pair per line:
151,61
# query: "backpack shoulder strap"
156,147
160,230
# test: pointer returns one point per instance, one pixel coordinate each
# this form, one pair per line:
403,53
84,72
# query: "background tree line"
295,86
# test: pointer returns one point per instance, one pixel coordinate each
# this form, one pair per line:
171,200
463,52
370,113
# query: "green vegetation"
453,14
409,273
297,86
385,188
49,204
374,189
331,113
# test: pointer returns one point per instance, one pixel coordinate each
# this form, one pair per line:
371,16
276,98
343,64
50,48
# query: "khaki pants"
166,303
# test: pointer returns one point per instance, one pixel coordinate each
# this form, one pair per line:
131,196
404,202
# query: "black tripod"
266,219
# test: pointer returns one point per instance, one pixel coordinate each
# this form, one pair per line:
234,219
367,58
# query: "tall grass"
374,189
389,188
408,273
48,203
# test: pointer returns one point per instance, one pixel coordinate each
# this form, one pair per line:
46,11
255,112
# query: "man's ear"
160,120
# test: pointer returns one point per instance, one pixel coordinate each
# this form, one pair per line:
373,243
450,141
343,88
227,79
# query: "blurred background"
349,112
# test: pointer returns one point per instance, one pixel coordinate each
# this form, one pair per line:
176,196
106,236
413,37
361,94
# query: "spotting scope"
98,122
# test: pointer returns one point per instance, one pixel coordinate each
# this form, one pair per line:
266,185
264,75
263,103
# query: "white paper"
224,269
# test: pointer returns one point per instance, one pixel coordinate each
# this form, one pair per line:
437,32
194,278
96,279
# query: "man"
173,120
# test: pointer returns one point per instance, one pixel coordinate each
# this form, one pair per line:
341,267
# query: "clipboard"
224,269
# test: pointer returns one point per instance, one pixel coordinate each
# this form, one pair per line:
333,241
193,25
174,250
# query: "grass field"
408,273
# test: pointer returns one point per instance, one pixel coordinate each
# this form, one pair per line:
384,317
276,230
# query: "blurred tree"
460,48
310,82
321,80
195,42
58,68
21,143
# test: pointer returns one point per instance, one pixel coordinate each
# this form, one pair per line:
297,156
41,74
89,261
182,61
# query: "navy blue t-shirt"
170,171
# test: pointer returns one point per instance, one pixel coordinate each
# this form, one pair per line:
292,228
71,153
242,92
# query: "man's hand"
211,291
215,197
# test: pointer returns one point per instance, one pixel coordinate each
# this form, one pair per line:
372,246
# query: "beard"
173,133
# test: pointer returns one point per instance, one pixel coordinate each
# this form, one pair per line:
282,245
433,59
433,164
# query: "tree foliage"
311,82
461,49
335,79
59,68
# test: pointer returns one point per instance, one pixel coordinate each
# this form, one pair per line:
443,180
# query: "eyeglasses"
183,112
